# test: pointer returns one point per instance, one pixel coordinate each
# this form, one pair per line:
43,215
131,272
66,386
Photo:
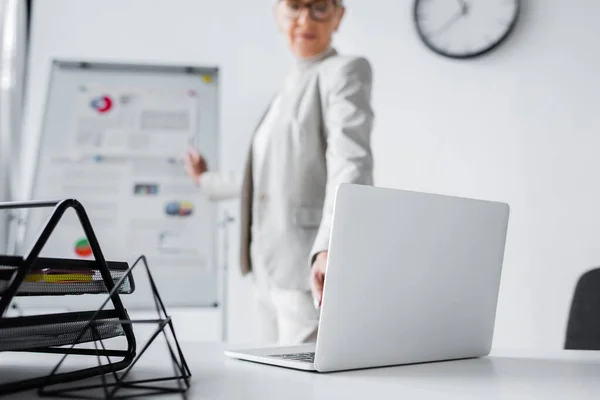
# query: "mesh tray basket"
40,331
59,277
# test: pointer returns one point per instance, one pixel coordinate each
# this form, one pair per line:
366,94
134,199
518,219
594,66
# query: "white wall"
520,125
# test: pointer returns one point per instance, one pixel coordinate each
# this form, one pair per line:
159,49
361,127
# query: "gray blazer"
322,138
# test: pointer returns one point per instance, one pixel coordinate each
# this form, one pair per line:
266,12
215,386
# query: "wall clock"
465,28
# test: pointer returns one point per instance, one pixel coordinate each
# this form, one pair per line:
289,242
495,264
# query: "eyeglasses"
319,10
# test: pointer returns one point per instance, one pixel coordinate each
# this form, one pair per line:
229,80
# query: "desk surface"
560,375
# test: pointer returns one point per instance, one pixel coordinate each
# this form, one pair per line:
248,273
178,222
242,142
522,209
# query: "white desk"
562,375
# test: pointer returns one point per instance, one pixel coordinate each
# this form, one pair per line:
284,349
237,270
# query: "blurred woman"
314,135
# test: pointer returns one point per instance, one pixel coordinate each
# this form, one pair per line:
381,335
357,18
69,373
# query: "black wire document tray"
32,275
59,277
41,331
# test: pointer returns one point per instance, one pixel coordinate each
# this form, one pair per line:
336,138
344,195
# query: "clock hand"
464,6
460,14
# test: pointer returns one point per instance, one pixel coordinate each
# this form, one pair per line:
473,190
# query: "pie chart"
102,104
82,248
179,208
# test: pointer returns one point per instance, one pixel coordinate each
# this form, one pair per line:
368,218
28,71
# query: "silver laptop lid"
411,277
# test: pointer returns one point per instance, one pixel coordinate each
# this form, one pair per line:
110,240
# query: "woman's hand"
317,277
195,164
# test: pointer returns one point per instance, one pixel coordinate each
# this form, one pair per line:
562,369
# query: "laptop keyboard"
302,357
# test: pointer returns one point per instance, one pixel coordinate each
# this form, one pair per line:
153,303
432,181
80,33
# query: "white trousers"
285,317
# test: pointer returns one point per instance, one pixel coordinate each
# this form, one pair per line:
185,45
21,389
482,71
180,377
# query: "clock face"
464,28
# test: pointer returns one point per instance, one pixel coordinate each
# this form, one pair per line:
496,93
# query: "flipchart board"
113,137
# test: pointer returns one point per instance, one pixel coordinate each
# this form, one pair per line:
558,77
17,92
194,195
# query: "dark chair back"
583,329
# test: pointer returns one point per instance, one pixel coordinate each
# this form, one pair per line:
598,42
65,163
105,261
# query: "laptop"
411,278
